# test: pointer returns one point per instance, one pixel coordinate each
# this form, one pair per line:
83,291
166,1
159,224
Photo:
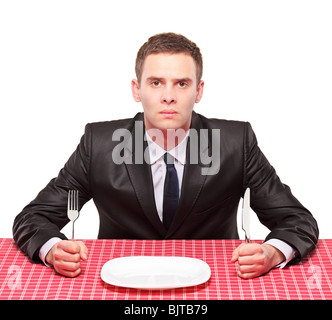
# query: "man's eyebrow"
185,79
153,79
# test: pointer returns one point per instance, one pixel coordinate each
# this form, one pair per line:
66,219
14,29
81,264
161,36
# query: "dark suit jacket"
123,193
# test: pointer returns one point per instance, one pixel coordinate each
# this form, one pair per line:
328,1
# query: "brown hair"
169,43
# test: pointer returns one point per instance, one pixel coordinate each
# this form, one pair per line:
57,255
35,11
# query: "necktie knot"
169,160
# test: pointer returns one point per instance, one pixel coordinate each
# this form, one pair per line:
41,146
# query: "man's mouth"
169,113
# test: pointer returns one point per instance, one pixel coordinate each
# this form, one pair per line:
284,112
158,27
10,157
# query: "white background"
66,63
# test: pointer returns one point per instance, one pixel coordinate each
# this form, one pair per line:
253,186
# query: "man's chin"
167,124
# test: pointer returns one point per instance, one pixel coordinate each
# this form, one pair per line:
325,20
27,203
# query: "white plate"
155,272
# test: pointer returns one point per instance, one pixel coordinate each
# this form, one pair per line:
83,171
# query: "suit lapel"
139,172
193,179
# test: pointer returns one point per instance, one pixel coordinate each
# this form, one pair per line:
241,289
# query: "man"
121,165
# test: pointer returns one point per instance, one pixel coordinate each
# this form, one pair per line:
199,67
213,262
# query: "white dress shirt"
158,170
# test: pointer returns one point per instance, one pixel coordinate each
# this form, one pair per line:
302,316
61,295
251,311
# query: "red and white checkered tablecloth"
22,280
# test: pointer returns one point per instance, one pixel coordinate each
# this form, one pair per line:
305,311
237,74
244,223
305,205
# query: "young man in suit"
121,165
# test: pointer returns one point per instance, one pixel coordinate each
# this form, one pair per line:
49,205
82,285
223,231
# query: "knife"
246,215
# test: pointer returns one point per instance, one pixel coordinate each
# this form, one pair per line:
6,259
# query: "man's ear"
135,90
200,89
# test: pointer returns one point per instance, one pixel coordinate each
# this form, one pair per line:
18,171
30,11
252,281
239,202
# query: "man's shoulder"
112,125
222,124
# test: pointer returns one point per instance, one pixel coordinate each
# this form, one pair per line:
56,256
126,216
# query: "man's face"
168,90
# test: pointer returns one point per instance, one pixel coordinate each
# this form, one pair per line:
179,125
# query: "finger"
70,269
249,269
76,249
61,255
69,246
235,253
248,275
249,249
70,274
69,266
83,250
256,259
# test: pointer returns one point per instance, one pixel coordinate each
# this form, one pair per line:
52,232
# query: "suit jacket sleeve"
46,215
274,203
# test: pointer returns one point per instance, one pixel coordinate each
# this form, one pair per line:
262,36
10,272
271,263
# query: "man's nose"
168,96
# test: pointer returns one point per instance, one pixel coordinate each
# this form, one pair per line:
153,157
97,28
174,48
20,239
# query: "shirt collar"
178,152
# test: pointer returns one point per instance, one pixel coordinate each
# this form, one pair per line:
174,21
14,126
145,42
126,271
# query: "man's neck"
167,139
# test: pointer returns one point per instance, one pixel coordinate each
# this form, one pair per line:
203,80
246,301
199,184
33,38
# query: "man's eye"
182,84
156,83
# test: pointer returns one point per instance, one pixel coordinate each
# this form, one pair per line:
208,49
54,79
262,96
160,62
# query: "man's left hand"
256,259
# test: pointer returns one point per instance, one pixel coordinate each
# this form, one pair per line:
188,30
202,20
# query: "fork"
72,210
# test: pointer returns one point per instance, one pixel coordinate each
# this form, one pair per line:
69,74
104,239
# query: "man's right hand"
66,255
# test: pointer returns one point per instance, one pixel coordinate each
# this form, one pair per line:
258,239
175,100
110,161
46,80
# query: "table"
22,280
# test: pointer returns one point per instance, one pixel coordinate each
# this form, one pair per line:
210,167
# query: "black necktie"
171,191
